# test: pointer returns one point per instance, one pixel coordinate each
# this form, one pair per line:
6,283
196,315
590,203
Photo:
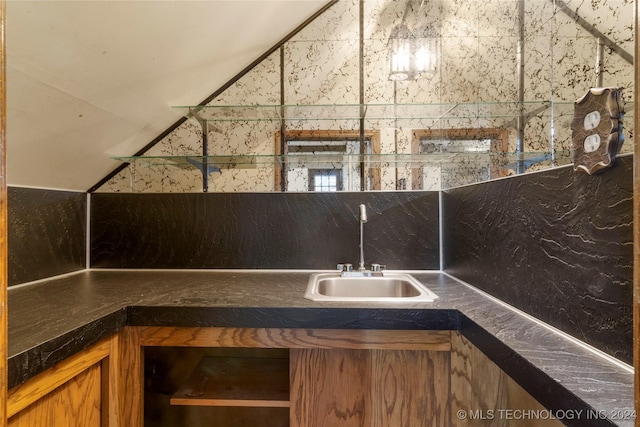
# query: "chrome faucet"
346,269
363,219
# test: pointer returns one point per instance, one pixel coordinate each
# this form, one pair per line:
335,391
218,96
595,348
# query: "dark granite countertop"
51,320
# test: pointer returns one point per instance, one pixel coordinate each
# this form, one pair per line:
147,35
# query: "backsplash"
259,230
47,233
556,244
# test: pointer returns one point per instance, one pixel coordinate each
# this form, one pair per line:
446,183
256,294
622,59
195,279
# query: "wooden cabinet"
335,387
237,377
96,387
77,402
70,394
336,377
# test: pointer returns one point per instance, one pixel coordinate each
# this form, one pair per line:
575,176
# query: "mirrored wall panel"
400,95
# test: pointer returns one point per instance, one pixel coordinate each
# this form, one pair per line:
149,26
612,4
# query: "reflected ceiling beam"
593,31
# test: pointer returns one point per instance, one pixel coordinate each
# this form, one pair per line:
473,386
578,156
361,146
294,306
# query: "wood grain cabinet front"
70,394
75,403
369,388
97,387
240,377
333,377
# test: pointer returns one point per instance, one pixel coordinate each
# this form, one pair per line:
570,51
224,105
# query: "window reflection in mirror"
327,161
460,157
329,180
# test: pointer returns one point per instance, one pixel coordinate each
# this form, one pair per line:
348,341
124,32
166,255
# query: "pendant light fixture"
401,55
425,46
412,56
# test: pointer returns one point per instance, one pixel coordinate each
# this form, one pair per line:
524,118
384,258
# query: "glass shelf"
401,112
338,160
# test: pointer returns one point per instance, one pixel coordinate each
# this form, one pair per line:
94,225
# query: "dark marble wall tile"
47,233
254,230
557,244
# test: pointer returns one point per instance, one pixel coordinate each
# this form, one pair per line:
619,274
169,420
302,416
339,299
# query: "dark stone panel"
47,233
556,244
253,230
282,317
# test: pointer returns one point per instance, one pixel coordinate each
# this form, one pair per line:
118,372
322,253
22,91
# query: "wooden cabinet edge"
126,381
371,339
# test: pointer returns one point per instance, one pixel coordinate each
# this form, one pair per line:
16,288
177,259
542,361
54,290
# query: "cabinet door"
77,403
369,388
330,387
84,390
410,388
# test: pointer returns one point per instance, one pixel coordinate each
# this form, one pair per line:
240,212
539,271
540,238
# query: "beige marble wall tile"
261,86
322,72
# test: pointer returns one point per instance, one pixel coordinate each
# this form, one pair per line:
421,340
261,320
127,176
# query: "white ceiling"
90,79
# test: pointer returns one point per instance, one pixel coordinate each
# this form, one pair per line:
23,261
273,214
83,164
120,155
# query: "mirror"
432,94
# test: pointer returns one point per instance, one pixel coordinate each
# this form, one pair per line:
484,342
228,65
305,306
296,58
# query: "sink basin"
396,287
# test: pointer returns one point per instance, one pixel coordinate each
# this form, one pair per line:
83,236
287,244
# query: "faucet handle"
363,213
345,267
378,267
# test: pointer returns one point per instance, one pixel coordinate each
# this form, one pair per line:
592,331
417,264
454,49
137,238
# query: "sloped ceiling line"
211,97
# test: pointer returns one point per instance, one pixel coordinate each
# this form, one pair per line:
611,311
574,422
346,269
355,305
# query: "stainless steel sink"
396,287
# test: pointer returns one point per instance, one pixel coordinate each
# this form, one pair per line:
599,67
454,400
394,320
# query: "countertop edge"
37,359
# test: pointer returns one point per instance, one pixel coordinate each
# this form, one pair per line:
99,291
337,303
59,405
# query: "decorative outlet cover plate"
597,129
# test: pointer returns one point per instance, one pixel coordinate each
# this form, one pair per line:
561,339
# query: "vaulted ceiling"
90,79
